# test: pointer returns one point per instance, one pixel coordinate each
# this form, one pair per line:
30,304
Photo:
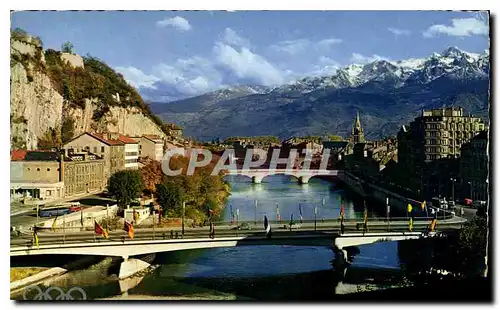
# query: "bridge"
302,175
150,241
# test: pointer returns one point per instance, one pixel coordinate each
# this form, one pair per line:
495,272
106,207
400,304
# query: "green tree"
335,138
68,129
125,186
67,47
170,197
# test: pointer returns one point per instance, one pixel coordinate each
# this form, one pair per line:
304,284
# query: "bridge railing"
251,229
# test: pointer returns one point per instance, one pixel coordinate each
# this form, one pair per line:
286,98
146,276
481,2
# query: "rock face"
130,121
37,108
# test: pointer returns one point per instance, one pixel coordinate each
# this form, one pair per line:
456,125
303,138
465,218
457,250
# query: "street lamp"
470,189
453,189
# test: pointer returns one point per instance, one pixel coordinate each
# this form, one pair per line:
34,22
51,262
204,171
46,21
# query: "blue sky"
186,53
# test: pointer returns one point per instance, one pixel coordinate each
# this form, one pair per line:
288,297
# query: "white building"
131,152
151,146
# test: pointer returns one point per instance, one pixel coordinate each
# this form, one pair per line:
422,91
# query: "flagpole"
255,218
154,216
315,218
183,211
64,229
107,217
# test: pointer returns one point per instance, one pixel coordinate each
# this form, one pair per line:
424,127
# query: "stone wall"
74,60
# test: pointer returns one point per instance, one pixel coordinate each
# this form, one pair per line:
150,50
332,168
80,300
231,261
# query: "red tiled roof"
18,155
127,140
153,138
100,137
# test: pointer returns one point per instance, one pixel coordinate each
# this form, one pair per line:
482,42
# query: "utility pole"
183,211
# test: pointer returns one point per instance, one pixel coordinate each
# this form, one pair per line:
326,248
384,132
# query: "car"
294,226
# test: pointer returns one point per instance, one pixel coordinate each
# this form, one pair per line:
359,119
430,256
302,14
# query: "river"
252,272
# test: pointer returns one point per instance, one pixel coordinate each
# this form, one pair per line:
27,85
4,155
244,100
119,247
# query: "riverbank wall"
369,191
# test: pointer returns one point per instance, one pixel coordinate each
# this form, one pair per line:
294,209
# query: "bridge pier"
257,179
304,179
131,266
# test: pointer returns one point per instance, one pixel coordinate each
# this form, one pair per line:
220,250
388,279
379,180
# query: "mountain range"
386,93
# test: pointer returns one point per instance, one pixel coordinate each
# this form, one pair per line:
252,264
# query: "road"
26,215
49,237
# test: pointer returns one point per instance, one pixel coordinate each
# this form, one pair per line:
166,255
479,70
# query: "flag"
315,210
433,224
81,216
238,212
300,213
423,205
232,214
365,216
323,202
35,236
342,211
99,230
409,208
159,215
291,219
278,216
267,225
54,224
411,224
129,229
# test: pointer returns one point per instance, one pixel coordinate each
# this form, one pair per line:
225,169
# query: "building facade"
105,145
151,146
474,168
131,152
36,175
430,147
83,173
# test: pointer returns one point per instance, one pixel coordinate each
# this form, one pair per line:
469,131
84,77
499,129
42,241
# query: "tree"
335,138
125,186
68,129
151,174
170,197
18,33
67,47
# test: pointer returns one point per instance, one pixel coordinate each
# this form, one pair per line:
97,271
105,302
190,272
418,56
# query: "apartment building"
36,175
105,145
151,146
436,135
131,152
474,168
83,173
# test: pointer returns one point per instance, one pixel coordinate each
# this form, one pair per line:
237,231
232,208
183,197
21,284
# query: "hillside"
387,94
56,96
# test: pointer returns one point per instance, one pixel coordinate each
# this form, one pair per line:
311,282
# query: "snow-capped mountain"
452,62
386,93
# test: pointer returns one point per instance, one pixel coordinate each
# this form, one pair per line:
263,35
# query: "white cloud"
399,32
329,42
459,27
246,65
361,59
291,47
232,38
191,76
137,78
177,22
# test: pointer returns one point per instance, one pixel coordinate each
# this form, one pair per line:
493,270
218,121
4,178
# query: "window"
37,169
48,169
95,149
102,149
49,193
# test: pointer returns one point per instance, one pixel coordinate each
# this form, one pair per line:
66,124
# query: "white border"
199,5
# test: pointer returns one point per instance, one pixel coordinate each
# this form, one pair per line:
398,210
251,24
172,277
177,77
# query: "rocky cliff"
55,96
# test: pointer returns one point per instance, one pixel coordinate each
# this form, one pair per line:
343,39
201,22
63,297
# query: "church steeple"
357,135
